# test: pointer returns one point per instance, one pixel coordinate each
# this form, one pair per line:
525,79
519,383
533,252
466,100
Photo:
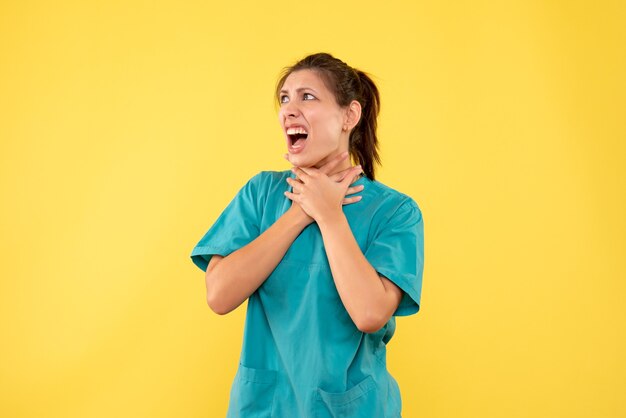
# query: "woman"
325,258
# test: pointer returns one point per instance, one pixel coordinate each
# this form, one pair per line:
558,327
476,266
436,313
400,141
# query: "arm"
369,298
232,279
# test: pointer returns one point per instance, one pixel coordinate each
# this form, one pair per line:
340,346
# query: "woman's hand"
321,196
335,177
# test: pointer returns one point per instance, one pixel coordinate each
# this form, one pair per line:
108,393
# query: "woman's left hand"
318,195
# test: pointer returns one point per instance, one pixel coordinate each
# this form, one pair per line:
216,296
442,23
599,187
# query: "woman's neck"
343,164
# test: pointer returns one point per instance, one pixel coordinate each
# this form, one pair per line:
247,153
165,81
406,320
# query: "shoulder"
274,176
268,179
390,202
264,184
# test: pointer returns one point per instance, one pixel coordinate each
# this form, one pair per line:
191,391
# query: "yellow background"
126,127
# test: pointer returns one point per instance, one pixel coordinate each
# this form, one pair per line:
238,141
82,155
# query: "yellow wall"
127,126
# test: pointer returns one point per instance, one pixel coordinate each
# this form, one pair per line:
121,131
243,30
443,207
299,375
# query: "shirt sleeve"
237,225
397,252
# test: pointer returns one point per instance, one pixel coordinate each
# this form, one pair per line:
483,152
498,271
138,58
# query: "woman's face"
312,121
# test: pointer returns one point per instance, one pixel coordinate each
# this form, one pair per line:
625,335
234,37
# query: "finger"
339,176
292,196
355,189
327,168
349,178
295,184
348,200
304,174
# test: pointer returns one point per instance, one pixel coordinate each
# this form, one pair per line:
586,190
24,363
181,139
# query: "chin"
300,161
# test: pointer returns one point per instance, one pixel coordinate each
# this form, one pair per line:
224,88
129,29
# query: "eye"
282,98
308,94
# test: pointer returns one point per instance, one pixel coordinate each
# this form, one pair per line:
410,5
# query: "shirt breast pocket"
252,393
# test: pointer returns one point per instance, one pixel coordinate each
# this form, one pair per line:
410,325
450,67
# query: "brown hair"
347,84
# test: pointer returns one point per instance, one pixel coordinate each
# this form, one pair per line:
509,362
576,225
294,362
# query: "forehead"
304,79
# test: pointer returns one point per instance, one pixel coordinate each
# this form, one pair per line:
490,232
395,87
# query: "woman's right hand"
339,176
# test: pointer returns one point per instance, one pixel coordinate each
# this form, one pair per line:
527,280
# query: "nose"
290,110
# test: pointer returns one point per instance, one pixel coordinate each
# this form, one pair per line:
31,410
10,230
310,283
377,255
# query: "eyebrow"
298,90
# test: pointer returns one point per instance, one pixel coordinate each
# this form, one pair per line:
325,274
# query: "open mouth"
297,136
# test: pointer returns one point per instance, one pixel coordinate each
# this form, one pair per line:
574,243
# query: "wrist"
298,216
331,219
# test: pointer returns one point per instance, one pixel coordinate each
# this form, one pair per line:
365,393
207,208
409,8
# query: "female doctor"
325,255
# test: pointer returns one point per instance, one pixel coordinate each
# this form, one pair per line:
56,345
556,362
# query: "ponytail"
363,139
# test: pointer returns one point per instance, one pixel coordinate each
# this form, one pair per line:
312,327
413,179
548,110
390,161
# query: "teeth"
297,130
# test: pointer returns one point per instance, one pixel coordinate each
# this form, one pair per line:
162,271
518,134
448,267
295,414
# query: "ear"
353,114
